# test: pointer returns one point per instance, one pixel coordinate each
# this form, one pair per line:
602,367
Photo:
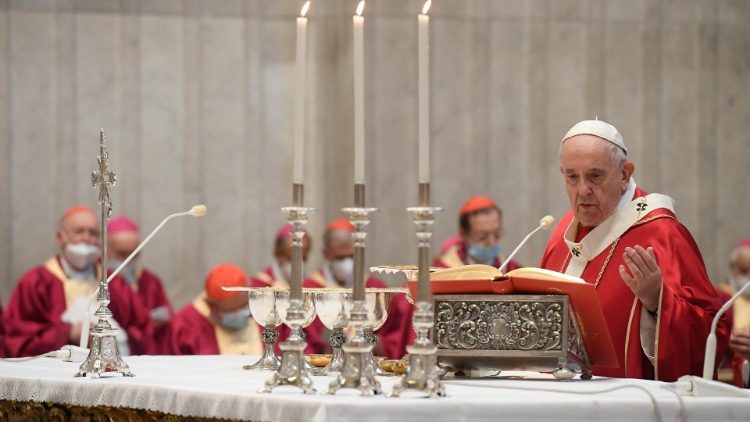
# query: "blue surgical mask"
484,254
235,320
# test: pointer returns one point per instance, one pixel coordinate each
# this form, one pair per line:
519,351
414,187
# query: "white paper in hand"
77,311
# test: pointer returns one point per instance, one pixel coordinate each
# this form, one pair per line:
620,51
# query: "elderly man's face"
79,227
486,228
594,182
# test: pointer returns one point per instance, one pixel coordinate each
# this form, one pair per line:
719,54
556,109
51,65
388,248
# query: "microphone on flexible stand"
545,223
705,386
195,211
710,357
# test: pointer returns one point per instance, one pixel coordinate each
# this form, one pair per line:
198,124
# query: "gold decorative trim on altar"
12,410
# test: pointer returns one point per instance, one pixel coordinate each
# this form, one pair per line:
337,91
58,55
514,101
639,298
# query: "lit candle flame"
360,7
305,7
426,7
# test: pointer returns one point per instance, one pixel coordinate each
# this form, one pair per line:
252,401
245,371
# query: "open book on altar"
485,279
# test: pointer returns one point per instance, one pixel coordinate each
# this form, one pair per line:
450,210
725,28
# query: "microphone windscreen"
547,222
198,210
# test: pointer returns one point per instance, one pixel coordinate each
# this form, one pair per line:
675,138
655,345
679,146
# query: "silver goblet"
377,304
334,309
282,305
262,302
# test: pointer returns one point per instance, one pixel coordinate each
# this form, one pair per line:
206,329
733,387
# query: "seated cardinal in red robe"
338,271
47,308
217,322
649,274
123,238
278,274
480,225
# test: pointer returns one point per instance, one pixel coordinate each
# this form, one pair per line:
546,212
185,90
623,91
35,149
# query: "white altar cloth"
216,386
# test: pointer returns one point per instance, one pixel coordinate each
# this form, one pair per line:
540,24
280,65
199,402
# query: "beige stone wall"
196,97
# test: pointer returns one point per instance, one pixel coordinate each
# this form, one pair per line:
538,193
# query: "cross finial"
103,178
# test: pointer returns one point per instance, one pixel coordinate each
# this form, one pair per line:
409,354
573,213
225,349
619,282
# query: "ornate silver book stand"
509,332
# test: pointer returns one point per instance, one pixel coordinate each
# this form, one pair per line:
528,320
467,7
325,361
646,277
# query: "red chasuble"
456,256
33,318
151,292
687,305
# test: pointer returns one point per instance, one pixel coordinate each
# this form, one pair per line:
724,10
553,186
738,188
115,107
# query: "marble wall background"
196,97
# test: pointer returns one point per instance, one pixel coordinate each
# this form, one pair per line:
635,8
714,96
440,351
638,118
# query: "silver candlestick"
104,355
422,371
358,371
293,370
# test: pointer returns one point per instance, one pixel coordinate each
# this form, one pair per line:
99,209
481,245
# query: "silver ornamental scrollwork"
498,325
575,342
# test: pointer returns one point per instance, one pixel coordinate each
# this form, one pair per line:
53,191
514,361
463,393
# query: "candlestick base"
292,371
358,371
422,373
104,355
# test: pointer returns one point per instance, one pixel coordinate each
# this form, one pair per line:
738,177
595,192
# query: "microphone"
545,223
195,211
709,358
690,385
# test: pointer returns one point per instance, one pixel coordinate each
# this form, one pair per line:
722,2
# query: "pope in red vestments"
277,275
480,225
218,321
648,271
124,238
46,310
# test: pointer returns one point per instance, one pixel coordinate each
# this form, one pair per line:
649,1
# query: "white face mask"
81,255
343,270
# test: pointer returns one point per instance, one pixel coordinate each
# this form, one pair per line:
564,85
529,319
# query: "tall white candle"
299,97
423,24
358,22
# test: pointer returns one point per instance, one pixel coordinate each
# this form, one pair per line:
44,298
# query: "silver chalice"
282,305
262,302
334,310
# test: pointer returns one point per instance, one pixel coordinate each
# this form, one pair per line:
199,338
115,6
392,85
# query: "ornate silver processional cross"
104,355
